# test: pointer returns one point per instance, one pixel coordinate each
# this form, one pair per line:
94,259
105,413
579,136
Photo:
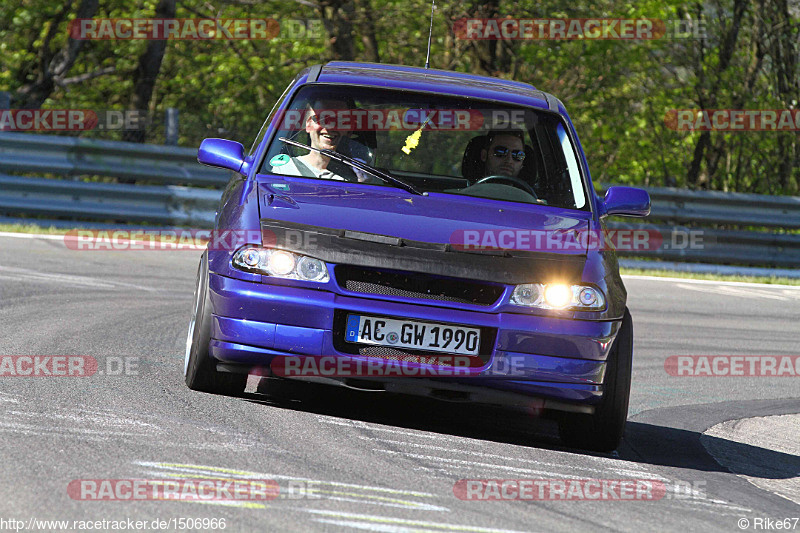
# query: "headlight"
280,264
558,296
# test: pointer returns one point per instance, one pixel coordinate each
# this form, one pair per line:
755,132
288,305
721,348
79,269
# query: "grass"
33,228
772,280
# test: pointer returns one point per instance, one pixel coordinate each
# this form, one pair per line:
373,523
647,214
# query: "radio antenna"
430,34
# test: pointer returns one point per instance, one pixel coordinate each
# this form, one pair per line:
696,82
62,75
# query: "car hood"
386,228
462,222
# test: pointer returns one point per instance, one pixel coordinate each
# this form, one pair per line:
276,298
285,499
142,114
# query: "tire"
199,369
603,430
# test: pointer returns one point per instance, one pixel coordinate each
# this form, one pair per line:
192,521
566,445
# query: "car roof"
432,80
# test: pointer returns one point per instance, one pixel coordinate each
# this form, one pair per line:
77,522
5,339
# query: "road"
374,463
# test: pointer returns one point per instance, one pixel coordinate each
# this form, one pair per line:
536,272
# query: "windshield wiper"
397,182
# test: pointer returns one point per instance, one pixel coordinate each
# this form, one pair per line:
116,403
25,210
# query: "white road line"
413,506
258,475
107,240
19,274
348,492
465,440
751,292
400,523
629,467
66,279
362,425
382,528
8,398
43,236
733,509
619,471
744,292
713,282
473,464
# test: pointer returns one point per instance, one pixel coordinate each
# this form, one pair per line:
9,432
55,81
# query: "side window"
572,166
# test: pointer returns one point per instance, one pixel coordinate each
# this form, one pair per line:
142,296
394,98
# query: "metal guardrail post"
171,127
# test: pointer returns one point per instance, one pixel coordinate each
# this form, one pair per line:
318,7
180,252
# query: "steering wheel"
516,182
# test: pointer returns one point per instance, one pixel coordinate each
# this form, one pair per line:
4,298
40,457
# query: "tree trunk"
707,95
51,66
337,16
486,52
784,51
144,79
368,38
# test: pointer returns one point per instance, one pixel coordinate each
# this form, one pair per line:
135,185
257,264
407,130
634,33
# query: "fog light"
528,294
311,269
251,257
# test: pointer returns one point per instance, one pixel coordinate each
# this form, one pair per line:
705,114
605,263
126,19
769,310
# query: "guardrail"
177,198
71,157
682,206
718,246
723,225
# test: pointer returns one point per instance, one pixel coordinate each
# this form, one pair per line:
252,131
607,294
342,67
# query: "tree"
50,61
144,78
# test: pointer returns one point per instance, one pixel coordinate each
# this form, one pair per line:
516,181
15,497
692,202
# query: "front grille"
416,285
398,354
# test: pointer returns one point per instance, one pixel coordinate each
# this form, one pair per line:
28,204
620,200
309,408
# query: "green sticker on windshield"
279,160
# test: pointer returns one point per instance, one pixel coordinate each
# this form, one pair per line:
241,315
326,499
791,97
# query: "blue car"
420,232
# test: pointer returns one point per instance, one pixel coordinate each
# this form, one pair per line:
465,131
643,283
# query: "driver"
504,153
314,164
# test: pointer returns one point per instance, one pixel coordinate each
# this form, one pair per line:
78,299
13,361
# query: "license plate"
428,336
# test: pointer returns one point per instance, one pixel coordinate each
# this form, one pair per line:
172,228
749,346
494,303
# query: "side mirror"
627,201
221,153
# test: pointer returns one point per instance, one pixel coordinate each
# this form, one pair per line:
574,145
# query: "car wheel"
199,369
603,430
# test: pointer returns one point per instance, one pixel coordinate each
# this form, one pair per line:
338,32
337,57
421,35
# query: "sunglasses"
501,151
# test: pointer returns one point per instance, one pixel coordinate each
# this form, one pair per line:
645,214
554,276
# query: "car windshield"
434,143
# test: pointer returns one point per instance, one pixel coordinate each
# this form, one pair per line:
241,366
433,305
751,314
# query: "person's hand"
362,176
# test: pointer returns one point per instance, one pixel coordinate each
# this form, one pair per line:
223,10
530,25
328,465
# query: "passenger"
504,153
314,164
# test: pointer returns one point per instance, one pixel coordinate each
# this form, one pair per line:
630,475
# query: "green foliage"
617,92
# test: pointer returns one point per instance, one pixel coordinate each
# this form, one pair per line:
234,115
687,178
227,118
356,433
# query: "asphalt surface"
376,463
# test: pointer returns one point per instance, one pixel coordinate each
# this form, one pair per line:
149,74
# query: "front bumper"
560,360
